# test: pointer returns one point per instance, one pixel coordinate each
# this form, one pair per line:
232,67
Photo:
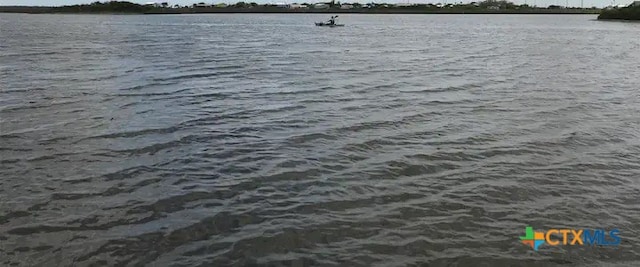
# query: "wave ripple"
244,140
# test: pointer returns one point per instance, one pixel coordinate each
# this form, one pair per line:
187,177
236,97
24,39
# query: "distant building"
493,7
201,5
346,6
321,6
220,5
298,6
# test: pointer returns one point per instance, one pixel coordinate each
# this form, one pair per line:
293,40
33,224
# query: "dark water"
221,140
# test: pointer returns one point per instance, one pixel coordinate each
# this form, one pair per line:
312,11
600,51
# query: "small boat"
330,23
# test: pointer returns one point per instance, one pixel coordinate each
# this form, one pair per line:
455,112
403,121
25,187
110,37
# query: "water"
216,140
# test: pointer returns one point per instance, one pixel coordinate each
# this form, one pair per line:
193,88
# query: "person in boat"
332,20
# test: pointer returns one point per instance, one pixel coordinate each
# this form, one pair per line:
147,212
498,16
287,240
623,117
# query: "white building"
345,6
201,4
298,6
157,4
321,6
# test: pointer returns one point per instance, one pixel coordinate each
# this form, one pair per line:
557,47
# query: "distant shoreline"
408,12
267,10
395,11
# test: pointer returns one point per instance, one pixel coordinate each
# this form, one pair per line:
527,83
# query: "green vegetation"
96,7
625,13
106,7
484,7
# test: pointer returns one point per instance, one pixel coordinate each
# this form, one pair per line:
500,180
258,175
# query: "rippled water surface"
216,140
